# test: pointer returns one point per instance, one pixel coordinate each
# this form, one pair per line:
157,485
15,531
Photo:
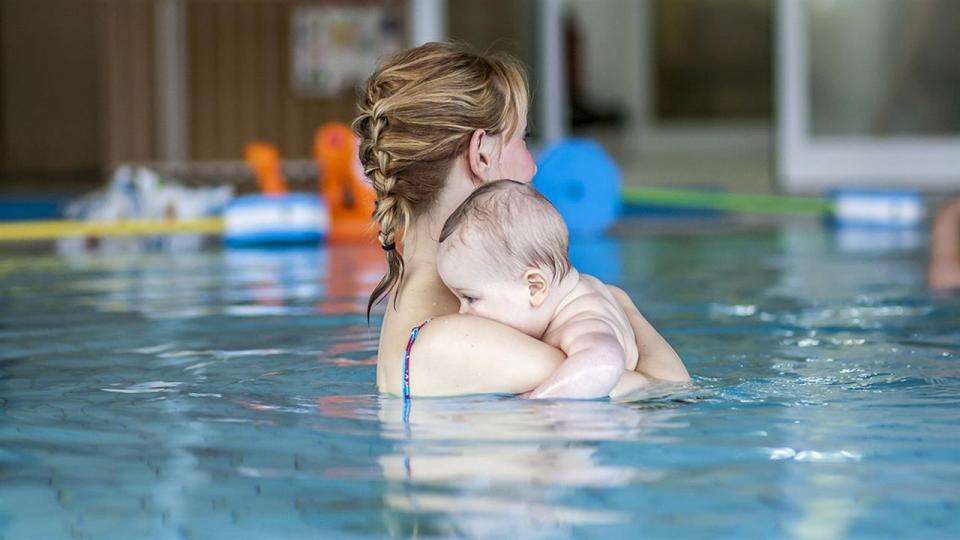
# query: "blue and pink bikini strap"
406,358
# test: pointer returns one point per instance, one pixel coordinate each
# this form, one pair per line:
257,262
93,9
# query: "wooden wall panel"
48,87
202,53
240,81
128,81
3,101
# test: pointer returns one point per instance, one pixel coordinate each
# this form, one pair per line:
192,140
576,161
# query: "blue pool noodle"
583,182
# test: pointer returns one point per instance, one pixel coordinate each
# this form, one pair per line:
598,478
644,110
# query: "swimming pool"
230,394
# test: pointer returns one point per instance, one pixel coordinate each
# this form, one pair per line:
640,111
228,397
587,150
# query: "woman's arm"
657,360
944,269
461,354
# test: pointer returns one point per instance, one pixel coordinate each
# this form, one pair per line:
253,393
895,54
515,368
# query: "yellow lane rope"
15,231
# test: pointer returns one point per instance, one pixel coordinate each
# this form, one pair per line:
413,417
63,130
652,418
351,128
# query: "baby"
503,252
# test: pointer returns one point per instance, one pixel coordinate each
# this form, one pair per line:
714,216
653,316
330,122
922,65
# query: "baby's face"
486,295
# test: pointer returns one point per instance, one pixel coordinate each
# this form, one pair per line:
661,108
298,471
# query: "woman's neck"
420,245
421,242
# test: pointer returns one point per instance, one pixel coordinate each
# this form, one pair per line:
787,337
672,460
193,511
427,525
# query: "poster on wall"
336,47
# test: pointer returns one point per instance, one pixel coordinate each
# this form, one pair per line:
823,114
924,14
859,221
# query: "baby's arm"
594,363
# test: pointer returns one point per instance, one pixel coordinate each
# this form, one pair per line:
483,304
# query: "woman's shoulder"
462,354
441,335
419,300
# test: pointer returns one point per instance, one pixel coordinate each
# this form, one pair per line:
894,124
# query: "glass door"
868,94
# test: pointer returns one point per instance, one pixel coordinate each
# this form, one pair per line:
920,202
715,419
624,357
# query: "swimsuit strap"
406,359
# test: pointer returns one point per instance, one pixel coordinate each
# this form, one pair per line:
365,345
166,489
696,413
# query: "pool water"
230,394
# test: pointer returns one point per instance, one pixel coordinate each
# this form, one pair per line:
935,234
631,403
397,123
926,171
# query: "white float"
288,219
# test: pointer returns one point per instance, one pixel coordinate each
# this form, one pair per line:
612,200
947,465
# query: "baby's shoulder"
590,304
593,309
596,286
590,295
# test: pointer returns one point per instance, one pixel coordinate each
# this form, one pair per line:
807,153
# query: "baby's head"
502,252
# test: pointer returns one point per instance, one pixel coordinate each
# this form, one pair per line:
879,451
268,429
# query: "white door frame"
807,163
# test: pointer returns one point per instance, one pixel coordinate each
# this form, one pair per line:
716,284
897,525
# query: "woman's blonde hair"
417,113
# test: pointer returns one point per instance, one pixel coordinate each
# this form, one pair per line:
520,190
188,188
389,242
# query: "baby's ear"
538,286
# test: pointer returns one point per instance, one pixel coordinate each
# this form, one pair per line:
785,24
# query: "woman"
435,123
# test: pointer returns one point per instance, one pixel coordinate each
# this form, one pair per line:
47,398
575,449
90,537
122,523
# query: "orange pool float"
349,195
264,159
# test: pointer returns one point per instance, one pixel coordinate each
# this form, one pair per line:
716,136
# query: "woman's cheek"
525,167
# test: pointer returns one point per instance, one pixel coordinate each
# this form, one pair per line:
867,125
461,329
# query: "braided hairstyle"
416,114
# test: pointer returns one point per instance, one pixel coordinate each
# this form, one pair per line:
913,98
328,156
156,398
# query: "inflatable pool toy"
264,159
349,195
291,219
342,212
583,182
274,217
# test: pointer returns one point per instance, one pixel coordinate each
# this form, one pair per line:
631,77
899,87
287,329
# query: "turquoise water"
230,394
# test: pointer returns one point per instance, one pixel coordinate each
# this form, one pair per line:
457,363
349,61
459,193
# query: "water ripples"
232,395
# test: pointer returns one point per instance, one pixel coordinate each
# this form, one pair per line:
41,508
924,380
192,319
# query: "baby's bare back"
589,309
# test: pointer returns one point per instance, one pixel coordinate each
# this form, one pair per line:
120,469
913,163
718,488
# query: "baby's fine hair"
514,226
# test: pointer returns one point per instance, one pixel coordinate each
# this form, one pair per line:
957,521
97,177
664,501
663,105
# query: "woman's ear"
480,155
537,285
